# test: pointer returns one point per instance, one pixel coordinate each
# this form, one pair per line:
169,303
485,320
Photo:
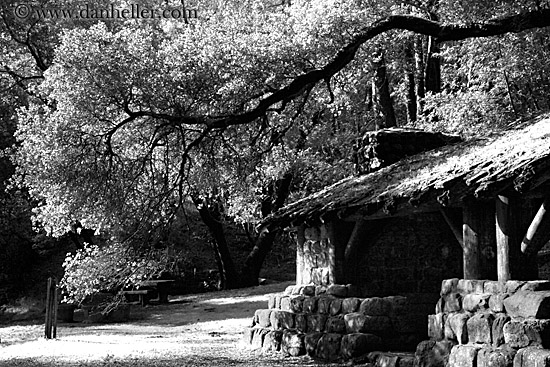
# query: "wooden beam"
338,233
479,240
454,223
365,233
538,233
506,209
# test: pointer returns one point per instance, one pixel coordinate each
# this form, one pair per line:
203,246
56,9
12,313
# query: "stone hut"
430,253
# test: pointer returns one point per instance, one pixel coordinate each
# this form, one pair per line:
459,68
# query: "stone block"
360,323
500,357
375,306
452,302
296,303
449,286
358,344
512,286
292,343
281,320
350,305
308,290
521,334
297,290
406,361
496,302
494,287
316,322
272,341
300,322
323,304
278,298
466,286
480,327
285,303
463,356
328,347
476,302
335,307
532,357
436,326
399,305
337,290
320,290
310,342
258,338
536,285
288,290
497,331
310,305
431,353
456,327
335,325
271,301
528,304
262,317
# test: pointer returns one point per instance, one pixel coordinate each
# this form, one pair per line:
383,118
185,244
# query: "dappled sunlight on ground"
196,330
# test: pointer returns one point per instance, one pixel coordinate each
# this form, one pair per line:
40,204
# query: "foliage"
110,268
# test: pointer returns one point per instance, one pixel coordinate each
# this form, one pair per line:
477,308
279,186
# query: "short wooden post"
47,323
50,323
505,209
479,240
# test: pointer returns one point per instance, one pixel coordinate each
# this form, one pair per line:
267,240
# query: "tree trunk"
382,93
264,242
419,74
211,216
411,85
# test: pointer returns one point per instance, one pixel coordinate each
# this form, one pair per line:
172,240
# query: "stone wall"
480,323
413,254
331,323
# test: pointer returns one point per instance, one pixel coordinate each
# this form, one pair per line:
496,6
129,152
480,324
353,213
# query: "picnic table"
146,287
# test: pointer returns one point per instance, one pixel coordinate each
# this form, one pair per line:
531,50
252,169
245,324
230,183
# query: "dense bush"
110,268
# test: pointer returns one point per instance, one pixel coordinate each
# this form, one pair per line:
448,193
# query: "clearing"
192,330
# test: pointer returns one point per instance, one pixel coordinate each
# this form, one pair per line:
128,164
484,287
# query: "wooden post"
506,234
47,323
55,307
479,240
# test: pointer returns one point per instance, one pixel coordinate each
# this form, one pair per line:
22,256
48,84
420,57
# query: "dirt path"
196,330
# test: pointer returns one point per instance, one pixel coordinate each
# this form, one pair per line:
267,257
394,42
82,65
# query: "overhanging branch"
442,32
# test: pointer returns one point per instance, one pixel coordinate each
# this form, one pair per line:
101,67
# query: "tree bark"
211,216
419,74
382,95
411,85
264,242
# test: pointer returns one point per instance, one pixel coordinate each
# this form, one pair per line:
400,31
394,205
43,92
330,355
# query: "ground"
194,330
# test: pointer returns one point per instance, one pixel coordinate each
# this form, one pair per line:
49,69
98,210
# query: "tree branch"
442,32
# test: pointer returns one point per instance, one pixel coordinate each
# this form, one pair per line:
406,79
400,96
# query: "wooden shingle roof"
517,159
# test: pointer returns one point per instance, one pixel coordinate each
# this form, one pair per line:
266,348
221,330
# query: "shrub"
109,269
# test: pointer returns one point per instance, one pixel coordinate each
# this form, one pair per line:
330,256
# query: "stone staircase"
330,324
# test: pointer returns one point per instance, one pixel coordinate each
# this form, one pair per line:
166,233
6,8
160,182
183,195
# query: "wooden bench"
141,293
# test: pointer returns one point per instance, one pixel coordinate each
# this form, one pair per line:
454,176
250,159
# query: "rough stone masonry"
477,323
